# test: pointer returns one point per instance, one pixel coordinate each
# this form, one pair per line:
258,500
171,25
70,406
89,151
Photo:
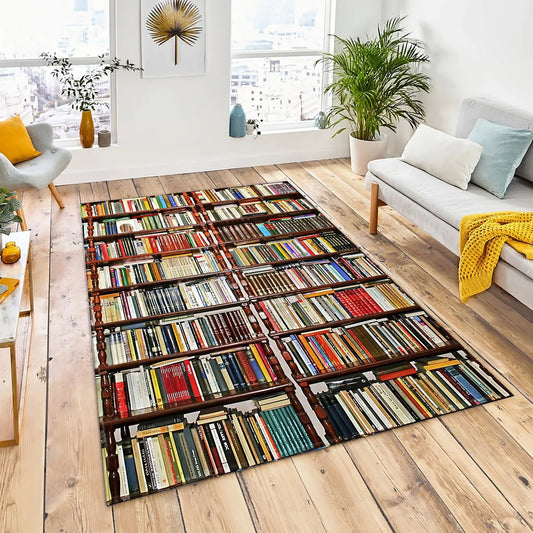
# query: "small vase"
87,129
250,128
11,253
320,120
237,122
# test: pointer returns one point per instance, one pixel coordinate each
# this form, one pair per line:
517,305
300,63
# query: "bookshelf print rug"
237,326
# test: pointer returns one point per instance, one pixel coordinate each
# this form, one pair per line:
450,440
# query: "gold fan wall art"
178,19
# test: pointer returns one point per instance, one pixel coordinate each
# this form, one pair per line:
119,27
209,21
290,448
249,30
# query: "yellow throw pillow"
15,142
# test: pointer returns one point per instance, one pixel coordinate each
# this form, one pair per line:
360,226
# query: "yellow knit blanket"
481,241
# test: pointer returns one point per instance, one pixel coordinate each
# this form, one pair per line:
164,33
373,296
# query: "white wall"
477,48
178,125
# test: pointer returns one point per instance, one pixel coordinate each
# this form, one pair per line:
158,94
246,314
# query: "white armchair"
38,172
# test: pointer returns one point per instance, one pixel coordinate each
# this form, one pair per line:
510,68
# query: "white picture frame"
158,60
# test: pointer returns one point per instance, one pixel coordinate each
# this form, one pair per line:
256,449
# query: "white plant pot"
250,128
362,152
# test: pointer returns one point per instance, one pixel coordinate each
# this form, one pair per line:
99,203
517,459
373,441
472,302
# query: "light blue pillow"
503,151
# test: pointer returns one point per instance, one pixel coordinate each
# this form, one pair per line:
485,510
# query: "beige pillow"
446,157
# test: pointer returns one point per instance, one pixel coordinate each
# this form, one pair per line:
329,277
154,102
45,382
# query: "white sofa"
438,207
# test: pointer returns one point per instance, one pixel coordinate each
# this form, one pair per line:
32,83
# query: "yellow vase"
87,129
11,253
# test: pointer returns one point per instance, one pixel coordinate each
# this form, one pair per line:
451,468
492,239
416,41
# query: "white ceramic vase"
362,152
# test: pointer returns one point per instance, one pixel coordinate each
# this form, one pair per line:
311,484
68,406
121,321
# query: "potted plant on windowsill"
375,84
84,89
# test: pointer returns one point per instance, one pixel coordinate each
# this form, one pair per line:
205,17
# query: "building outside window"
275,44
79,29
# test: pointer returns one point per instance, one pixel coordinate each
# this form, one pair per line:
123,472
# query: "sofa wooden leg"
23,224
374,206
55,194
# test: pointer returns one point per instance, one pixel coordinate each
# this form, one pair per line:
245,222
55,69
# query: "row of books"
141,303
208,196
156,221
277,226
140,203
166,268
164,242
190,379
271,207
169,337
312,309
332,349
266,280
287,249
173,451
402,394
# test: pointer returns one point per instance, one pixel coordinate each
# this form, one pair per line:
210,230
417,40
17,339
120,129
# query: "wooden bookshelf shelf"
353,320
161,282
192,405
289,195
143,233
254,298
190,353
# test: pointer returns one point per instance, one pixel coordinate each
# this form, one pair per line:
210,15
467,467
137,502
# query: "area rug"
238,326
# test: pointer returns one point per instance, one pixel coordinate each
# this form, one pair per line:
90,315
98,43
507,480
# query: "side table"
10,312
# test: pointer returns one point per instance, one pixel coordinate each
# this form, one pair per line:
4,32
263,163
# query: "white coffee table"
10,313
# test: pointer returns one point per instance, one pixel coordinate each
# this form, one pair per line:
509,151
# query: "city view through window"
70,28
275,44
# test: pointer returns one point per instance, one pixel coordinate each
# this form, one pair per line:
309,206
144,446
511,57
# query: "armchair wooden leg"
55,194
375,203
23,224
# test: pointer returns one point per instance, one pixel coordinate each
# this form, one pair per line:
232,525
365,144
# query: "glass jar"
11,253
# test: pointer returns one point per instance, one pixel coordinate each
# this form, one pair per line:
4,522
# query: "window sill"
78,147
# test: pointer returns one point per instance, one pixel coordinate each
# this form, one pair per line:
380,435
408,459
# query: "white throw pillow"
446,157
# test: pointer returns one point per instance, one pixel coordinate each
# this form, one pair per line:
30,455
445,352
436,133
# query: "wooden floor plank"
484,440
278,498
461,496
186,182
246,176
119,189
156,513
148,186
223,178
215,506
75,499
339,493
21,467
408,500
270,173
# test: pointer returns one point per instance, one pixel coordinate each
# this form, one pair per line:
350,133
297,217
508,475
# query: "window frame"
83,61
327,46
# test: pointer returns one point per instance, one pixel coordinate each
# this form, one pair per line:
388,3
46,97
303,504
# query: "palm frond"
178,19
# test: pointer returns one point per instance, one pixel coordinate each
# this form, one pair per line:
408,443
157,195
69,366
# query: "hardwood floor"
470,471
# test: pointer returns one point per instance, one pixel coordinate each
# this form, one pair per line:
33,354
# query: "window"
73,28
275,44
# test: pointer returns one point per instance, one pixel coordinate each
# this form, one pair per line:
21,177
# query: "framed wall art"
172,38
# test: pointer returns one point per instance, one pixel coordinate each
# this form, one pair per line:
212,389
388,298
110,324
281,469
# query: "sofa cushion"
503,150
450,204
443,156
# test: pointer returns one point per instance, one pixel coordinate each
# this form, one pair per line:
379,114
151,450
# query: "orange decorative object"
87,129
11,253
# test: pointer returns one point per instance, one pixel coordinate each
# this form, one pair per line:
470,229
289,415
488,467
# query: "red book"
246,367
166,379
397,374
193,380
224,328
264,358
154,244
215,329
273,323
199,334
235,330
103,249
184,394
120,396
360,344
416,403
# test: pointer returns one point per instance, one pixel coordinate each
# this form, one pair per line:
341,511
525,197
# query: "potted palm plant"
84,89
375,84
